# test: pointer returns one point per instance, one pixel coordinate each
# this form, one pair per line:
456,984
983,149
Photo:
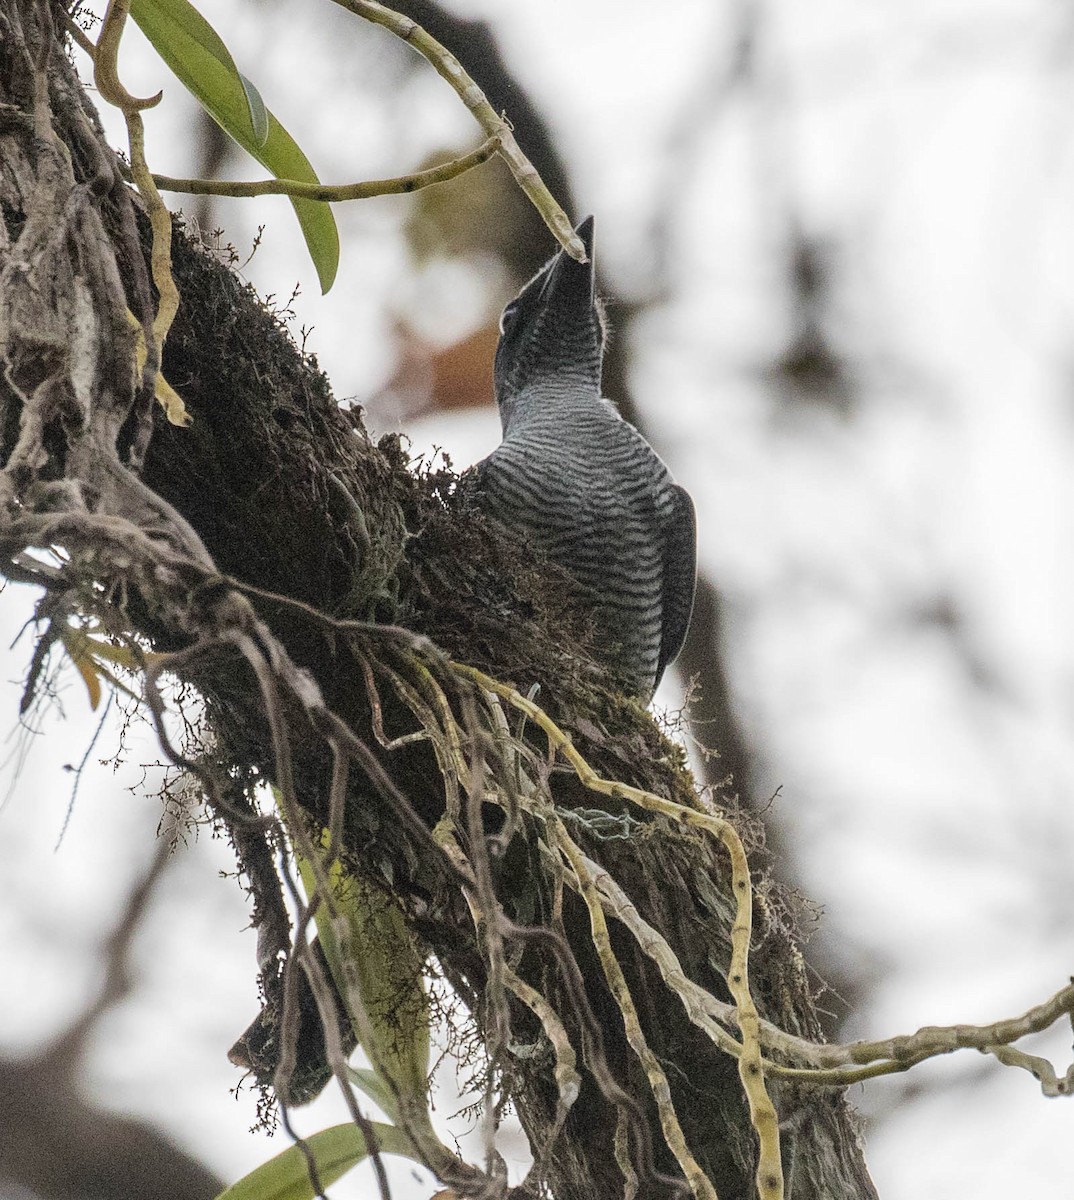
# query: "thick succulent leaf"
335,1151
75,643
376,1088
258,111
195,53
370,946
285,160
200,60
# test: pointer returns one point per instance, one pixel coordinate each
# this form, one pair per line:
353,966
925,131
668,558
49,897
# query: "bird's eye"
508,315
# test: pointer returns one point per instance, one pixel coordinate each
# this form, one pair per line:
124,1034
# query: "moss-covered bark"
277,487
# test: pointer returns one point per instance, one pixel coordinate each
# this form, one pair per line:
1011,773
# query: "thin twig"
495,126
333,193
116,954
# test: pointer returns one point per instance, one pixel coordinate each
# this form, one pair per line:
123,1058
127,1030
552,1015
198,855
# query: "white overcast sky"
926,770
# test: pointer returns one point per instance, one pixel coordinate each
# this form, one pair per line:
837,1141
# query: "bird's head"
553,330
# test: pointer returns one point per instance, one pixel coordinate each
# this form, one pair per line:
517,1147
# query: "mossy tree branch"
334,671
276,486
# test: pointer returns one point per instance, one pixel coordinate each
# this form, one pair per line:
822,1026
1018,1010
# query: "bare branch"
333,193
494,125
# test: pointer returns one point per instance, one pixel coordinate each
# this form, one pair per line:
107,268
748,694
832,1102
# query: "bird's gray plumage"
581,483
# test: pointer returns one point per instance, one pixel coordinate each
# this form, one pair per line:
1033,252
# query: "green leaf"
376,1088
282,156
75,642
201,62
187,43
258,111
370,946
334,1151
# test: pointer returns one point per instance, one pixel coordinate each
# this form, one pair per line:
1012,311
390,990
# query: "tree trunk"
278,557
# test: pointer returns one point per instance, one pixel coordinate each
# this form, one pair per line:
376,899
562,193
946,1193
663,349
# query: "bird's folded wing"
680,573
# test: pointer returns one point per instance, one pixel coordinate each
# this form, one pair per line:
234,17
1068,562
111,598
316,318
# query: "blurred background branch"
58,1143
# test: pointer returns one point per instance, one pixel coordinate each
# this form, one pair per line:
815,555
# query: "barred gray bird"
582,484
